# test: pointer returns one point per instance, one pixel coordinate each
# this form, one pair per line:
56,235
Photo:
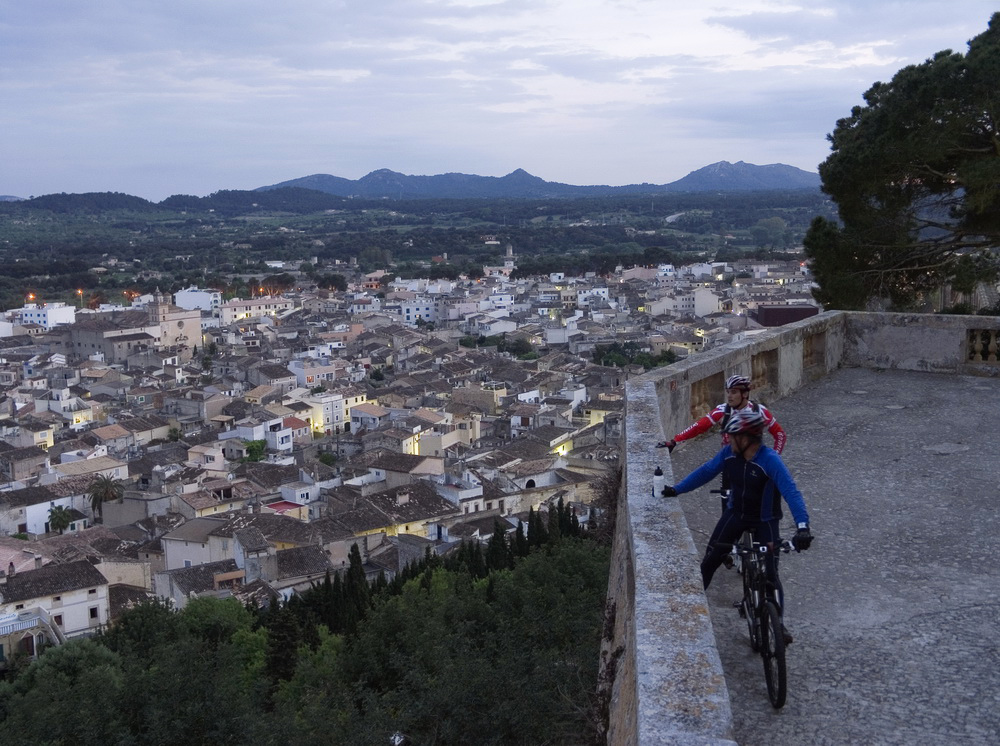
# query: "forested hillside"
107,244
494,645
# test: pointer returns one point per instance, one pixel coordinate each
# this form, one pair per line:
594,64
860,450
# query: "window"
187,563
92,592
58,620
93,612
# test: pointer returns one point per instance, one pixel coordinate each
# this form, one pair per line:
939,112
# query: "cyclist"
758,481
737,399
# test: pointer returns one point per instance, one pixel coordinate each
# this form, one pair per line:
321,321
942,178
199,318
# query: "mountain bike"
761,611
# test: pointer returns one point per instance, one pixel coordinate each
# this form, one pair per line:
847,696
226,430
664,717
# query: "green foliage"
104,489
332,282
60,518
70,695
508,658
915,174
500,646
53,241
620,354
90,202
771,231
255,450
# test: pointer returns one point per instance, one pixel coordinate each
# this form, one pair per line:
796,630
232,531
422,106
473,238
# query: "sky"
157,98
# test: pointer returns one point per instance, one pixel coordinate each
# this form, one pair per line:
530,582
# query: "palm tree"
104,489
59,518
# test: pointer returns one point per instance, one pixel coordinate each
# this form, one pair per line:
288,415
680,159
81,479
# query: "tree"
915,174
102,490
68,695
59,518
770,232
255,450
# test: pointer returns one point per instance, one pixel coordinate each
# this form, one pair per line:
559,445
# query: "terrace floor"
895,608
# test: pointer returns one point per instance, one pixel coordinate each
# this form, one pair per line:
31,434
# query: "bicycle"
761,612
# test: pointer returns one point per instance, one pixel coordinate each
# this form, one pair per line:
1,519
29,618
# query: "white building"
311,372
272,431
236,309
47,315
421,308
204,300
72,597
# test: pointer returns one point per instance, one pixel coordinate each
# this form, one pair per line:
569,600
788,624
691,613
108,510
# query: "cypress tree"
497,549
357,595
553,525
521,544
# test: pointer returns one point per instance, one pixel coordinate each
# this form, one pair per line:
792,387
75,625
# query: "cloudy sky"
192,96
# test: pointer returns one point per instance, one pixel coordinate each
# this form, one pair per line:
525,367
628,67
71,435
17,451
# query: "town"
185,446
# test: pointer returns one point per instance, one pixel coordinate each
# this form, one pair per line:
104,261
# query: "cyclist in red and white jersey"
737,398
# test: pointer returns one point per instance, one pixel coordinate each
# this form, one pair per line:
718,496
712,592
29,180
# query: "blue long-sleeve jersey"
756,486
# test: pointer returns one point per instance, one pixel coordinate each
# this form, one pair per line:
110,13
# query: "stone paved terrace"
895,608
895,614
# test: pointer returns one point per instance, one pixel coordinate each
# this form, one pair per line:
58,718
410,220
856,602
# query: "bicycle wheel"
772,651
750,611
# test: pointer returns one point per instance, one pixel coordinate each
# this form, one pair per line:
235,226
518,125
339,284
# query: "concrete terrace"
893,609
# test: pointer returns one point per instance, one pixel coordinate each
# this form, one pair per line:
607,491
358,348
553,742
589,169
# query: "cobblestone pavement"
896,607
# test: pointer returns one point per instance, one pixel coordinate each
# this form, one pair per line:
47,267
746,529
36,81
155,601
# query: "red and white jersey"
721,414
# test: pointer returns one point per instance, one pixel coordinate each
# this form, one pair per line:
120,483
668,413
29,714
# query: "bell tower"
159,307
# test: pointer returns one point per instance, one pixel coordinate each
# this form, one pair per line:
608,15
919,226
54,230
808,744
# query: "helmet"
746,421
737,382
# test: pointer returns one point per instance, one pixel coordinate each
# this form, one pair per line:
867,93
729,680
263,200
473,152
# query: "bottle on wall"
658,482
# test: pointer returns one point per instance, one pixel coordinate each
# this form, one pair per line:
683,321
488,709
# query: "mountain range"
718,177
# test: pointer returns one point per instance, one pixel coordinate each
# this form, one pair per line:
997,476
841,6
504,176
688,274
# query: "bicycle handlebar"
783,545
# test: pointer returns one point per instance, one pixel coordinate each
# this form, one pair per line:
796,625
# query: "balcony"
889,439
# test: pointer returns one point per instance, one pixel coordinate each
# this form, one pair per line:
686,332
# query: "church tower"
158,309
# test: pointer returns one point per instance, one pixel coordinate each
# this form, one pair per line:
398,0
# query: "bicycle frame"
761,612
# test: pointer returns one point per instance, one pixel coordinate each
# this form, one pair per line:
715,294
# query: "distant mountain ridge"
717,177
385,184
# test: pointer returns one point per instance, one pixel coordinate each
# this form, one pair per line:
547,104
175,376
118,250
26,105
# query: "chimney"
10,569
38,561
402,498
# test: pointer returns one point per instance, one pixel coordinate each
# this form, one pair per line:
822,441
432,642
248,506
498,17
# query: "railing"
661,675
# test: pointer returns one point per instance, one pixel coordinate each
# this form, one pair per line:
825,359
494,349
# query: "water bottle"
658,482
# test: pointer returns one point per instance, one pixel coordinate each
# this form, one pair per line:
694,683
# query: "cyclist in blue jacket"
758,480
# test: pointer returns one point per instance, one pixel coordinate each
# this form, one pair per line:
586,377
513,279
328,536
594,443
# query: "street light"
79,292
